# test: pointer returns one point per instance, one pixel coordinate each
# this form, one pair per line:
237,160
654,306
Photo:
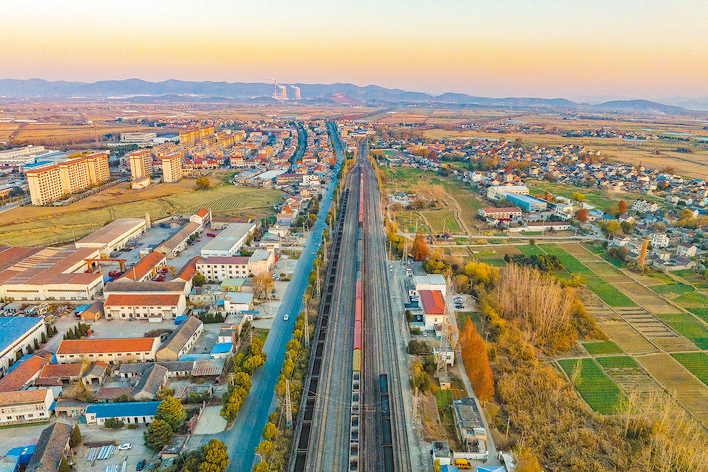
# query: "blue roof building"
127,412
16,334
526,202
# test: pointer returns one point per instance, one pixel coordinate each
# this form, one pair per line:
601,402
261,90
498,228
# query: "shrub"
112,423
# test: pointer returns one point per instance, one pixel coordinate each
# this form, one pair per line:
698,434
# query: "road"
381,342
245,434
329,440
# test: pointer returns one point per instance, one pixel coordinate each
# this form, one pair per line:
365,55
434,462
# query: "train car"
357,335
356,361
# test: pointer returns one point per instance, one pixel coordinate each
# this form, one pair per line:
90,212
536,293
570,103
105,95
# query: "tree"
112,423
75,439
159,434
622,207
44,338
420,249
582,215
262,466
626,227
578,197
262,284
265,448
476,360
269,431
63,465
198,280
171,412
203,183
215,457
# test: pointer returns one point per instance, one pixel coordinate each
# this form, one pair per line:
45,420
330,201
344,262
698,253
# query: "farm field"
601,347
687,389
695,362
701,312
617,362
571,264
441,221
629,375
688,326
596,388
36,226
530,250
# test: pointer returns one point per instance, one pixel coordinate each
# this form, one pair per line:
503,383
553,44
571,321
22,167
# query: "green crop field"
529,250
701,312
608,293
695,362
596,388
602,347
675,288
570,263
617,362
600,251
692,298
694,330
493,261
442,221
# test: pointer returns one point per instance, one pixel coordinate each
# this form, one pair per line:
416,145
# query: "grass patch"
444,398
463,316
687,325
695,362
618,362
602,347
493,261
442,221
596,388
609,293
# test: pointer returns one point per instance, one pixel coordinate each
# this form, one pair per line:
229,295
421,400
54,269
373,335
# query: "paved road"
245,434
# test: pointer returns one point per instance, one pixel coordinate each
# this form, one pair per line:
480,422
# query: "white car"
125,447
286,317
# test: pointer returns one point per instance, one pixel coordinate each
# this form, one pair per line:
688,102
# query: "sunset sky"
554,48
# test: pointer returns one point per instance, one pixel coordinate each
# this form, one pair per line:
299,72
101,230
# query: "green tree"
63,465
44,338
159,434
265,449
269,431
215,457
171,412
75,439
198,280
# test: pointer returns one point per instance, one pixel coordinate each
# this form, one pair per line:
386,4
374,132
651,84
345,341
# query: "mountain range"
338,93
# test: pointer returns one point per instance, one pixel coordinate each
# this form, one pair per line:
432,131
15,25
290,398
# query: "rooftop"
23,373
228,238
433,302
50,448
12,328
145,265
163,299
24,397
120,409
179,337
106,346
112,231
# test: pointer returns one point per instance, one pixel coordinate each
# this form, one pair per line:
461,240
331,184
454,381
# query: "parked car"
125,447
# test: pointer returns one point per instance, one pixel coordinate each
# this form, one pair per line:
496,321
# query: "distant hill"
644,107
341,93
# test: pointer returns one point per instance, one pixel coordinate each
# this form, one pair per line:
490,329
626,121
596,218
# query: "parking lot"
94,434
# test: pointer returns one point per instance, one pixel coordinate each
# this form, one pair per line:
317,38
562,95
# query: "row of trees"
79,331
243,365
170,417
213,457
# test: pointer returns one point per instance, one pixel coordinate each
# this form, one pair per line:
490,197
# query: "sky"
576,49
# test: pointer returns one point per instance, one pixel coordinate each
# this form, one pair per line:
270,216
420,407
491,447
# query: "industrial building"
506,213
128,412
181,340
470,429
229,241
152,301
178,243
52,447
172,167
498,192
140,139
261,261
17,334
526,202
114,235
26,406
143,270
52,182
110,351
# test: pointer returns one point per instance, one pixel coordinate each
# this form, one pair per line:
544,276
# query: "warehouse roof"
102,346
141,299
151,380
60,371
14,327
243,260
50,448
179,337
124,285
120,409
145,265
170,245
112,231
228,238
23,397
23,373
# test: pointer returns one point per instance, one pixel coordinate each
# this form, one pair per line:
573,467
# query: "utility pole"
288,406
307,330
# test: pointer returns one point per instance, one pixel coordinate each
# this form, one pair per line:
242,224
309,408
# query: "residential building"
686,250
26,406
53,182
229,241
235,302
52,447
659,240
146,306
261,261
217,269
110,351
128,412
172,167
181,340
433,308
202,217
17,335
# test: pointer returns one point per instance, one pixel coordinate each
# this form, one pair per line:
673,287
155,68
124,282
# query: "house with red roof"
433,308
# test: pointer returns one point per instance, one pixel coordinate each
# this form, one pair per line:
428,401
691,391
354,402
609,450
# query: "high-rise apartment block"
54,181
140,163
172,167
193,136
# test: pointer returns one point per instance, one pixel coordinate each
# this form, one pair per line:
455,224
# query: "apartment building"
53,181
172,167
216,269
26,406
140,163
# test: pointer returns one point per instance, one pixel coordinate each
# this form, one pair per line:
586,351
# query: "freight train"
354,435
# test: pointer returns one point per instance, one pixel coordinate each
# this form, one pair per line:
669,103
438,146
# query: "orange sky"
573,49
